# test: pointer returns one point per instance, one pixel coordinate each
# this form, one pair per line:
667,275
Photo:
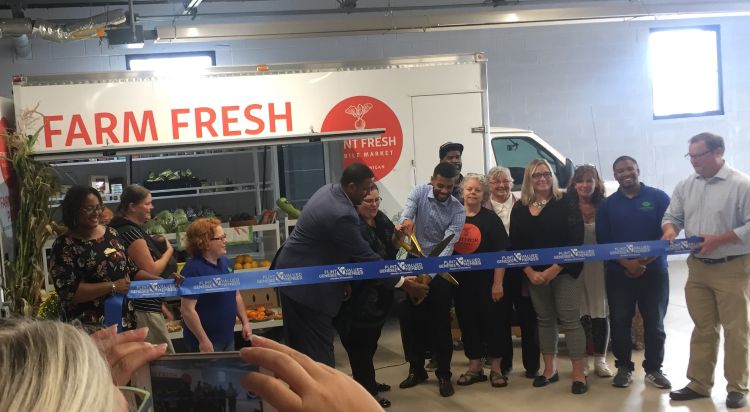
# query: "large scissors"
415,249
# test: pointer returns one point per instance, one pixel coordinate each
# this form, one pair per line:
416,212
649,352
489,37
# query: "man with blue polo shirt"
631,214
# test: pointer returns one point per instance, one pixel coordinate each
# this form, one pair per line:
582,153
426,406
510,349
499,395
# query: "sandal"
471,377
497,380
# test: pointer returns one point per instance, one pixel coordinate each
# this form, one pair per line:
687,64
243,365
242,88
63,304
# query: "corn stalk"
32,225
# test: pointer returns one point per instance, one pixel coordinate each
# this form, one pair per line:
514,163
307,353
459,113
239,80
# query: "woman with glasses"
209,318
478,297
586,192
361,318
133,211
88,262
515,284
543,219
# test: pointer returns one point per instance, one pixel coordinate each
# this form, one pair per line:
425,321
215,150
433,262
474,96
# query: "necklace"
539,204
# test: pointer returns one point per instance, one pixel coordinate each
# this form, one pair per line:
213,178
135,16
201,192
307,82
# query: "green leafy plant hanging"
32,225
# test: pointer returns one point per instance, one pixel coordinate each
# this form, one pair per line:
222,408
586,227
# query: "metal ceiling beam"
378,23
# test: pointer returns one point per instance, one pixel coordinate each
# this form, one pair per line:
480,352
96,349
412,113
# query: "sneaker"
431,365
658,379
602,369
623,379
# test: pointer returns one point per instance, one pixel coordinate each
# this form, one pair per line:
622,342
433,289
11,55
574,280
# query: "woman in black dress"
361,318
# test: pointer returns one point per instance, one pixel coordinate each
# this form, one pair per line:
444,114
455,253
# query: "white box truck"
421,102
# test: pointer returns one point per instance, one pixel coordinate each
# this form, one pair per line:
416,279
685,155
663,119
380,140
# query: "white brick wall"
565,82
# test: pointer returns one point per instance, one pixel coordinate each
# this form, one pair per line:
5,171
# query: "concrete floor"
521,396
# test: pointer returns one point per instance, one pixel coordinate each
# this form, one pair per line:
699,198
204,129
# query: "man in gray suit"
327,233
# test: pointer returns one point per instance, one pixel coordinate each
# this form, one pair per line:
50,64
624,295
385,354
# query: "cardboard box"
260,297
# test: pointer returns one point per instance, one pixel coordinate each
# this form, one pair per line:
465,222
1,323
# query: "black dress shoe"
446,387
685,394
579,388
384,403
413,380
736,400
382,387
542,380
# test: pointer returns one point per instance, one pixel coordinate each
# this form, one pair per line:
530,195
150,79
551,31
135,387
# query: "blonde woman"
53,366
209,318
542,220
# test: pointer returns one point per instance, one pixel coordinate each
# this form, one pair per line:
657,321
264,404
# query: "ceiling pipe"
311,12
76,30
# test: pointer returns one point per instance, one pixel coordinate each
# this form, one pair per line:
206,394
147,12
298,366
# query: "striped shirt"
127,235
713,206
433,220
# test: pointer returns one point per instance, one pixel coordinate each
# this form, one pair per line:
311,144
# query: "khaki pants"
718,295
157,328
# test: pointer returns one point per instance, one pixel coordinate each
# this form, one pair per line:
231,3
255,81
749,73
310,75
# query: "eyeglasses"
139,400
222,237
540,175
92,210
497,182
372,201
692,156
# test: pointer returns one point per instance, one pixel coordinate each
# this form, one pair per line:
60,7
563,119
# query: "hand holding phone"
199,382
303,385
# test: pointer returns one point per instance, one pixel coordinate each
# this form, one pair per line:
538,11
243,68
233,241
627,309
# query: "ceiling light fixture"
191,7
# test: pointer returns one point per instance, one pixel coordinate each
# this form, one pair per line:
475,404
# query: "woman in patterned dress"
88,263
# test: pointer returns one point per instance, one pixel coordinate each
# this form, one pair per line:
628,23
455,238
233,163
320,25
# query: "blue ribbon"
397,268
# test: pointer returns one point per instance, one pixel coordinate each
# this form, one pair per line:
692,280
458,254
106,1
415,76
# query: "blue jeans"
650,292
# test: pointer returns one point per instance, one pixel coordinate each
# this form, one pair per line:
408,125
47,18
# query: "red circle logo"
365,112
470,239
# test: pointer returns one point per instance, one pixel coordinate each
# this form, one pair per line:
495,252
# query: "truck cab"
515,148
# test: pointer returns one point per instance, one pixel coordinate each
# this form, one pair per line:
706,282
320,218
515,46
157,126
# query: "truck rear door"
446,118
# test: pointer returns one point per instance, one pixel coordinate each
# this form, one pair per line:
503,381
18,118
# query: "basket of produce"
170,179
242,219
261,314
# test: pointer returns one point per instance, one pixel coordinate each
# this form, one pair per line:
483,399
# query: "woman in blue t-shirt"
209,318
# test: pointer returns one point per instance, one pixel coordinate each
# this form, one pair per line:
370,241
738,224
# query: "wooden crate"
260,297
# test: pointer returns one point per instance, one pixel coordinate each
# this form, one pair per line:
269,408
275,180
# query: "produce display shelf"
86,162
200,191
182,155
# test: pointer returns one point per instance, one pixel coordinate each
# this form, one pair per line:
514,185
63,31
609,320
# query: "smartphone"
199,382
